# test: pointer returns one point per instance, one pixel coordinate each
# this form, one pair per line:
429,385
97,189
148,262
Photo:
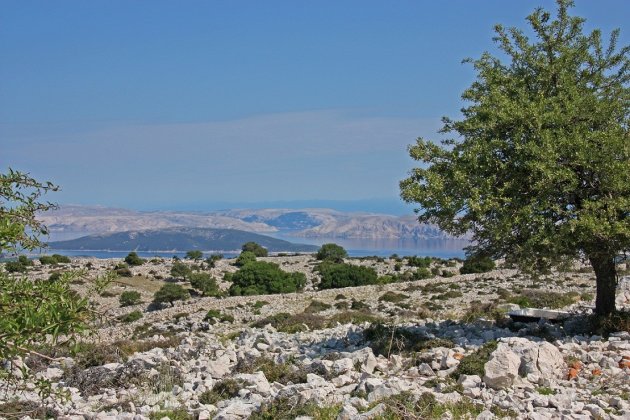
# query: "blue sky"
207,104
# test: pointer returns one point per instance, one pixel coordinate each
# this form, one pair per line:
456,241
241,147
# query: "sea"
442,248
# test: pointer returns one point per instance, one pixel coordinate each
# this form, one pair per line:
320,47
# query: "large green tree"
538,169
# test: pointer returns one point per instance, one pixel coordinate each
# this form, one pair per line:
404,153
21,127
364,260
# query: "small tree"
205,283
195,255
336,275
129,298
133,259
170,293
244,258
332,252
539,172
180,270
258,250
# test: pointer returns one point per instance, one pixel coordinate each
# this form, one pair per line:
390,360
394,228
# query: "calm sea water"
356,248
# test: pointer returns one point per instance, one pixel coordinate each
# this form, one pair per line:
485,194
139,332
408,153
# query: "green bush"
420,262
130,317
259,278
215,315
179,270
129,298
244,258
195,255
15,267
170,293
222,390
336,275
53,259
331,252
477,264
258,250
124,272
212,260
474,363
205,283
23,259
133,259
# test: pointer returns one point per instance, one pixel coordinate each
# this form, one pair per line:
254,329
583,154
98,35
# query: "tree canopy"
538,169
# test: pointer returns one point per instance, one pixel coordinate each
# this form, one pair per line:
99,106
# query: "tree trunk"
606,277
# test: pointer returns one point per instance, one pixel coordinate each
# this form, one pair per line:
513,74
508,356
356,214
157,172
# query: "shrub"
288,408
179,270
124,272
316,306
259,277
215,315
205,283
244,258
542,299
474,363
393,297
332,252
420,262
345,275
477,264
133,259
170,293
222,390
15,267
195,255
129,298
53,259
130,317
212,260
23,259
256,249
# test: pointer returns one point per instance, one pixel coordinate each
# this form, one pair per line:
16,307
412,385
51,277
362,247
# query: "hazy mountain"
179,239
74,221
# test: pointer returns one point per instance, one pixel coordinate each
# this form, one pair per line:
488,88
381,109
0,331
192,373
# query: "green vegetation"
387,339
214,315
130,317
222,390
285,408
133,259
204,283
393,297
180,270
473,364
213,259
316,306
337,275
331,252
194,255
542,171
170,293
260,277
542,299
477,264
54,259
129,298
256,249
244,258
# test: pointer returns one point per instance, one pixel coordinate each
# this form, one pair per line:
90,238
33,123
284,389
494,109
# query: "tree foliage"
336,275
331,252
170,293
260,278
133,259
244,258
539,167
195,255
205,283
180,270
258,250
20,201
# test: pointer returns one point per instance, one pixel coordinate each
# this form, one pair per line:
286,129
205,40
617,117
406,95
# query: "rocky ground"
434,348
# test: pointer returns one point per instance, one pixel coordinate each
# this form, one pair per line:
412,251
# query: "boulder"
502,368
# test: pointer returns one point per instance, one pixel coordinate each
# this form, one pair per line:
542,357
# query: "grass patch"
130,317
172,414
474,363
385,340
543,299
316,306
141,282
393,297
213,316
223,390
285,408
283,373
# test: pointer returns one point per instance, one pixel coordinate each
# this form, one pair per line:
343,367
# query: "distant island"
70,222
178,239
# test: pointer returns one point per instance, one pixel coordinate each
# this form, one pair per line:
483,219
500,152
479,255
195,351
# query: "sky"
201,105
